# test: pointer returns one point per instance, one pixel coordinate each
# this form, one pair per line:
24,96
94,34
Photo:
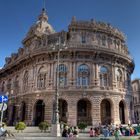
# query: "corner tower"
37,30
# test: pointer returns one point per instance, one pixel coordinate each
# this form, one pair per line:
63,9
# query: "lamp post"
56,125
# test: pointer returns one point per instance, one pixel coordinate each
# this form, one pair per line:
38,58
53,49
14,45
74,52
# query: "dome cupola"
40,28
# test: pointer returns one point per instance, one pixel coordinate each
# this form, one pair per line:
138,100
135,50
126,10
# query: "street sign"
3,106
3,99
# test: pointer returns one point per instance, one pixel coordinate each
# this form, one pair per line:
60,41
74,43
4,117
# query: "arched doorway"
5,116
122,112
84,111
23,111
105,112
13,115
63,110
39,112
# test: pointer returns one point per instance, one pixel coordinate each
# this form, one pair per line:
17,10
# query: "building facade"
136,99
89,66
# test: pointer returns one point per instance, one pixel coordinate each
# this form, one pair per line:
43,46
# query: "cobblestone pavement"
81,137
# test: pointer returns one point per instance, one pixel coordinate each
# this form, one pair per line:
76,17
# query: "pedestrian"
65,132
91,132
75,132
70,131
105,132
4,132
117,134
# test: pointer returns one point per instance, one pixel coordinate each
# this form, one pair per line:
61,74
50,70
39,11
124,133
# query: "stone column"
96,116
72,112
74,74
70,74
113,77
35,75
116,114
92,75
53,73
49,69
127,111
96,75
10,113
125,86
29,113
18,106
50,79
48,110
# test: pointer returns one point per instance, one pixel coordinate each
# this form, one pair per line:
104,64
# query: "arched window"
25,81
16,84
83,75
104,77
137,115
103,40
119,78
83,39
9,85
41,79
3,86
128,82
135,88
62,75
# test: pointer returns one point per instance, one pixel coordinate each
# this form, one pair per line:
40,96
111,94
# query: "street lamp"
55,124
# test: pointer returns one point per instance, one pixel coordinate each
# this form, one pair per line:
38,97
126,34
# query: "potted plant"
20,126
82,125
43,126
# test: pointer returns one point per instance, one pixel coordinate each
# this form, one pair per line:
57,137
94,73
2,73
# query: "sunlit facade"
94,75
136,99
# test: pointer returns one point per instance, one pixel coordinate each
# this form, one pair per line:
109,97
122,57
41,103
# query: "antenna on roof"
44,4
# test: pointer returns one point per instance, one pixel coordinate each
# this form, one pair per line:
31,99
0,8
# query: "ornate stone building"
136,99
94,74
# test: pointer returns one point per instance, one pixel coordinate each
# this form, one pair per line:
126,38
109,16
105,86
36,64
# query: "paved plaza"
33,133
46,136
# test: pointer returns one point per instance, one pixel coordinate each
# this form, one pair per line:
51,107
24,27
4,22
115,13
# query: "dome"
40,27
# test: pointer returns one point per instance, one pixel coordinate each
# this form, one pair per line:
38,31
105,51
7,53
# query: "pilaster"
29,113
96,80
72,112
48,110
116,111
113,77
96,116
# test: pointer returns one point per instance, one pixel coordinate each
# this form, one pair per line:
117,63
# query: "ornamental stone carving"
88,66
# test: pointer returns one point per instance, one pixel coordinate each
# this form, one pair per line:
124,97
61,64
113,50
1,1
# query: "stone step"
32,134
79,138
26,130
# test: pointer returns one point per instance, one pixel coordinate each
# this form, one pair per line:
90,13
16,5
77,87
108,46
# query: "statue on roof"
40,27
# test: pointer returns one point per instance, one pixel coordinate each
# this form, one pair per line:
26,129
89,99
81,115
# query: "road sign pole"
3,100
2,113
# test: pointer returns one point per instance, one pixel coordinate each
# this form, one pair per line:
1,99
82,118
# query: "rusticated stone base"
55,130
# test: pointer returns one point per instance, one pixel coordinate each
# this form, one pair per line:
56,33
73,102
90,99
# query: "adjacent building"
89,66
136,99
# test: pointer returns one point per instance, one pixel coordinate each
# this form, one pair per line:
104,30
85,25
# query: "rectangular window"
83,39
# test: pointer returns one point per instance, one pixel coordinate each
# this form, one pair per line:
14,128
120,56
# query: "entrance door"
122,112
13,115
105,112
23,109
84,111
63,110
39,112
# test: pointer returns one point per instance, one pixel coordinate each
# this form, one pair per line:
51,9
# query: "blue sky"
16,17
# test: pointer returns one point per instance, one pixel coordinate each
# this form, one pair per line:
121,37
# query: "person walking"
117,134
